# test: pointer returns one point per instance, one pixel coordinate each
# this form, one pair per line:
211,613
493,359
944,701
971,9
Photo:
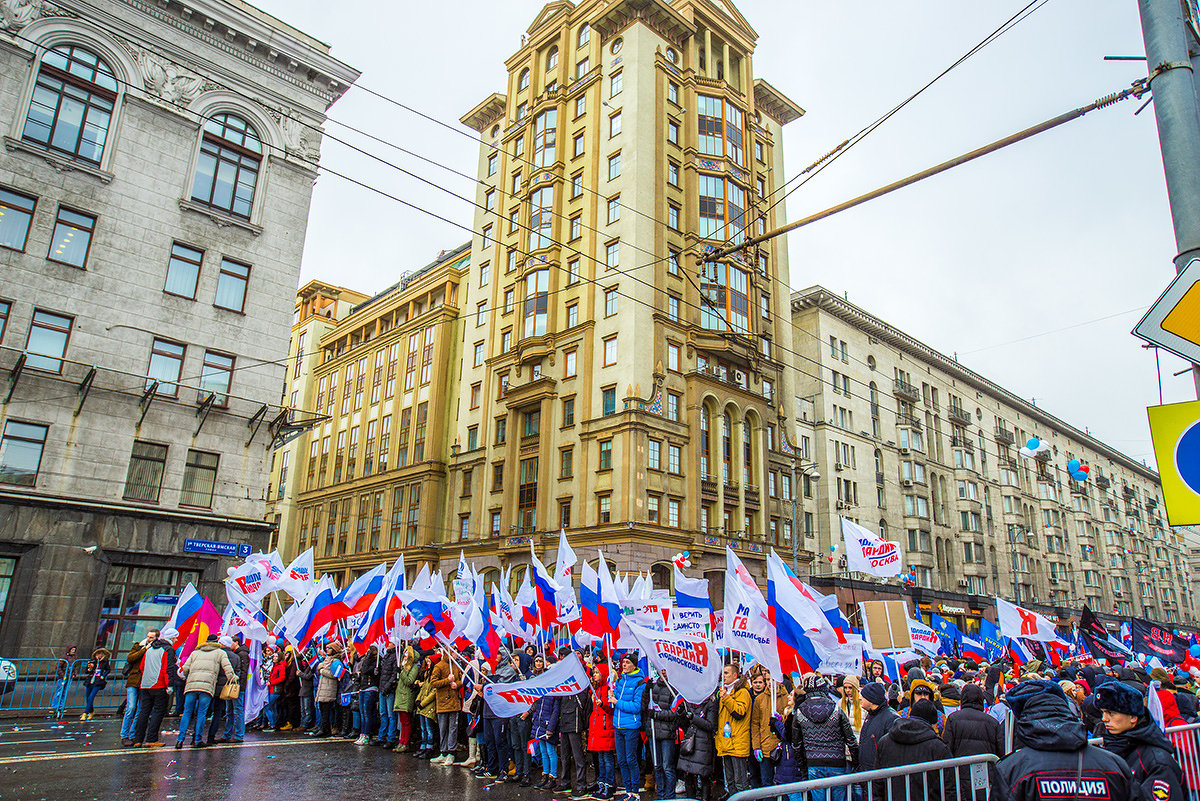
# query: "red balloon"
1085,468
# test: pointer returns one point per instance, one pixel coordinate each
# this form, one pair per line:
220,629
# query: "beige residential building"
913,444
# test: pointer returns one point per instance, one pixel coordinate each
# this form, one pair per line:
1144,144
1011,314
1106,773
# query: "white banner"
841,658
567,677
1017,621
748,626
867,552
298,576
691,663
924,639
693,620
718,629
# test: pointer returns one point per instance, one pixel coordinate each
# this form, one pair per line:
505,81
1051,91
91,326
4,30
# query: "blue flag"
943,627
989,632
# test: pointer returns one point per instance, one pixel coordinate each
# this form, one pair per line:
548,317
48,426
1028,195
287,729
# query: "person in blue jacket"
545,733
631,697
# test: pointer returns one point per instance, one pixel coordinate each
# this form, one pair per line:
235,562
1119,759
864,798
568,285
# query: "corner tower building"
613,384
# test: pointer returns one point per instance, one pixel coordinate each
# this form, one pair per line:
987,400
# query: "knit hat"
225,642
815,682
1018,696
1160,675
1116,696
874,692
925,710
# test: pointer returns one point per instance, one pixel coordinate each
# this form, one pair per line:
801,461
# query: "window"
570,368
227,168
582,68
673,507
614,125
673,216
605,454
673,357
673,92
612,254
722,209
478,355
72,238
605,509
512,261
492,162
522,110
610,301
485,269
608,401
614,83
674,458
566,463
614,166
537,289
577,143
576,191
614,209
72,103
654,455
672,262
673,132
727,303
568,412
497,476
16,212
585,35
4,310
472,438
610,350
573,309
523,80
144,479
672,406
531,423
199,479
652,506
501,429
720,127
21,452
231,286
541,217
673,177
489,200
545,137
480,314
552,58
216,376
576,232
758,151
673,308
166,365
47,343
508,302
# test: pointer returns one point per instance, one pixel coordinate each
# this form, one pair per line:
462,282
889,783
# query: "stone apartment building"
914,445
155,179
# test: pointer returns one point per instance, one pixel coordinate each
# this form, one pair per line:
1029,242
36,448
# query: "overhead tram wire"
594,281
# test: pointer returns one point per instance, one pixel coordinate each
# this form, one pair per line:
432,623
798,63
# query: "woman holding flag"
329,671
631,697
406,697
601,737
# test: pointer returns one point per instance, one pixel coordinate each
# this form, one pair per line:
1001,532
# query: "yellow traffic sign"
1175,429
1173,322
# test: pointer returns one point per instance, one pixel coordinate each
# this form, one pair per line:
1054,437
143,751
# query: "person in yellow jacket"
733,730
769,701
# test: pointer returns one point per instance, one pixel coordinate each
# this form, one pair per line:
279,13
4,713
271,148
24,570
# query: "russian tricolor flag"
601,617
971,649
357,598
546,591
338,669
1018,653
792,611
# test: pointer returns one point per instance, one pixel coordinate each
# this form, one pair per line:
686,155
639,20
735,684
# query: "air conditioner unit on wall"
839,467
907,482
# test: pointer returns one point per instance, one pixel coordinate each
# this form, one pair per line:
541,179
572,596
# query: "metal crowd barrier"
926,780
1187,750
33,685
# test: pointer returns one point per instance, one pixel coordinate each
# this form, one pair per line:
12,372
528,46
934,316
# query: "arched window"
489,576
523,80
72,103
883,528
516,578
660,574
227,169
585,35
552,59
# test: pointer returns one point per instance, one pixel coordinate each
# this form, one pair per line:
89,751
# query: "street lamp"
813,475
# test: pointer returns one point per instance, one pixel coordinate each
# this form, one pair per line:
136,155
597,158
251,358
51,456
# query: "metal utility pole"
1172,81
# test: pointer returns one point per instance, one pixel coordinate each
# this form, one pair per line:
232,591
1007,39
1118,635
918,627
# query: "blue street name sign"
216,548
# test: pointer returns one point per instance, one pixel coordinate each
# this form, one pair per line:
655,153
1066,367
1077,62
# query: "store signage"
952,610
216,548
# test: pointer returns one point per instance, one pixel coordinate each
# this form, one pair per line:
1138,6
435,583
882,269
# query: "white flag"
867,552
690,661
748,626
297,578
1017,621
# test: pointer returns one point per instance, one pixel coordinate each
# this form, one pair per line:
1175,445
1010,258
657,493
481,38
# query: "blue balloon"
1033,443
1079,475
1195,650
1073,466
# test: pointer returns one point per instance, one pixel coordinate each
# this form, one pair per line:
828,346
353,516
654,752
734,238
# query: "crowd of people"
631,732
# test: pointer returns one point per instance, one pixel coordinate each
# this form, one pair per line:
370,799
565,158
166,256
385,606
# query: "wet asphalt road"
42,759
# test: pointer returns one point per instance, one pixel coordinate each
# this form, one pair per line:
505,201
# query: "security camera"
90,549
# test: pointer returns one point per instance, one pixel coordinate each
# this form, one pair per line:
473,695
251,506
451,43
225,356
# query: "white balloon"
1028,454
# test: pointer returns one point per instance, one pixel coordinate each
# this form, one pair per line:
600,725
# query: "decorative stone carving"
299,139
167,80
16,14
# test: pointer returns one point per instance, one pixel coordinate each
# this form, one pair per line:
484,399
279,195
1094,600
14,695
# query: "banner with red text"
566,677
867,552
690,661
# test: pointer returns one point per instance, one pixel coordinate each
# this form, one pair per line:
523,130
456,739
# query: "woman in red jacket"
276,703
601,737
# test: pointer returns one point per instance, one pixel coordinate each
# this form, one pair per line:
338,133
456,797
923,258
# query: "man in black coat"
971,730
1055,758
878,723
1132,734
913,740
574,712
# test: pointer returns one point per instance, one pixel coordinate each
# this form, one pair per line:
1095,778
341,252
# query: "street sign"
169,600
1175,429
216,548
1173,322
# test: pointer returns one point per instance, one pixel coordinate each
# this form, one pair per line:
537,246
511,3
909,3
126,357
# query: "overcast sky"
1055,232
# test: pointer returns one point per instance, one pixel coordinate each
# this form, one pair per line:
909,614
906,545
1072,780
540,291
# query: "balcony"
1103,482
1129,492
908,420
1004,436
1078,488
732,494
962,442
905,390
959,415
708,487
750,497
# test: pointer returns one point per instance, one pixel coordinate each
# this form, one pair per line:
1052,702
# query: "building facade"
155,180
914,445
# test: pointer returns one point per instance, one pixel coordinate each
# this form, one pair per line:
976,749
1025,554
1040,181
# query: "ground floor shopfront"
93,575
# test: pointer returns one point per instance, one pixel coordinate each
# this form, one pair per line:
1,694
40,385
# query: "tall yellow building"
612,385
